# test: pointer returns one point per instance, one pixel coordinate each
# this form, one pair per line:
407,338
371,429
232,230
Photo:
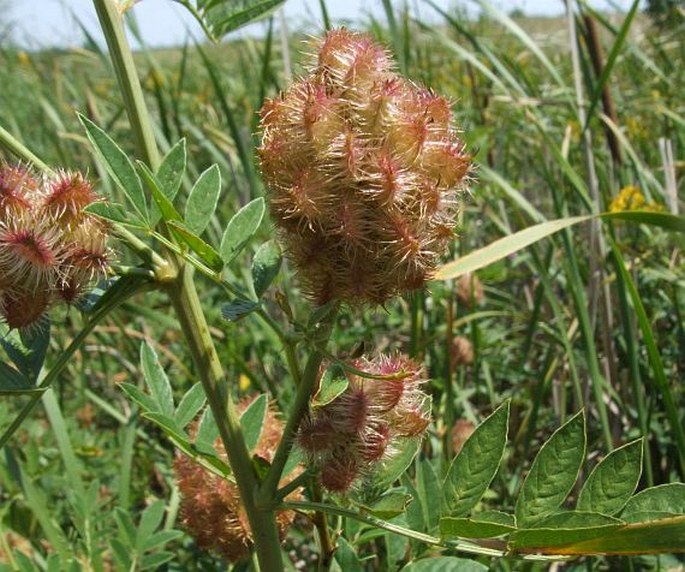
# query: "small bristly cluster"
364,170
211,510
350,437
51,250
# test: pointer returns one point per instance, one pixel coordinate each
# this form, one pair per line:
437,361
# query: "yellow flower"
631,199
243,382
23,58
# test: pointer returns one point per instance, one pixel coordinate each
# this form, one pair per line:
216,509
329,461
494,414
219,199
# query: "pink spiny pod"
355,433
66,195
51,249
16,182
364,170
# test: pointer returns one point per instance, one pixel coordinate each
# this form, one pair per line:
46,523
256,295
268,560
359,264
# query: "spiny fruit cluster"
364,170
211,509
352,435
50,249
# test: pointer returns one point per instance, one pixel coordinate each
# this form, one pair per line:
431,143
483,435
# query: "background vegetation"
558,127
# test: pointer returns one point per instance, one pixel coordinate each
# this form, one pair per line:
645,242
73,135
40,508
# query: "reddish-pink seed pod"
16,183
66,196
24,308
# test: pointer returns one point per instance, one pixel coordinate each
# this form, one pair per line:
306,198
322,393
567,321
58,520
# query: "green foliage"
118,166
219,17
265,266
202,200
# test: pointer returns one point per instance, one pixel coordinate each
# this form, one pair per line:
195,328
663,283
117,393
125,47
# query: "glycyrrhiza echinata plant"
364,213
363,172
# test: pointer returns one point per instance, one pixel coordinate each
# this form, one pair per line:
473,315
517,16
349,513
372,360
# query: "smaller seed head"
461,431
49,248
349,437
340,471
23,308
470,290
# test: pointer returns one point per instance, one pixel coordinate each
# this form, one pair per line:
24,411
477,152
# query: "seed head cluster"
50,249
351,436
364,170
211,509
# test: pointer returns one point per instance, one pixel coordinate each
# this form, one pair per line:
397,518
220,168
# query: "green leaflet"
265,266
668,499
170,175
240,229
219,17
202,200
483,525
613,480
333,383
445,564
118,166
205,251
473,469
563,529
553,472
190,405
252,421
157,381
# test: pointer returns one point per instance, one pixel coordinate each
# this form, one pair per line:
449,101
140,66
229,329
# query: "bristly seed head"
384,169
50,248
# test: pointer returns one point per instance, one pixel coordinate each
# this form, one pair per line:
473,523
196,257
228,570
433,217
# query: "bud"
469,290
364,170
461,352
87,259
50,248
461,431
352,435
211,509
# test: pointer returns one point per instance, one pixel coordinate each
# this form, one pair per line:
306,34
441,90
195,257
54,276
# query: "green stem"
391,527
193,323
131,90
297,412
16,147
183,295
